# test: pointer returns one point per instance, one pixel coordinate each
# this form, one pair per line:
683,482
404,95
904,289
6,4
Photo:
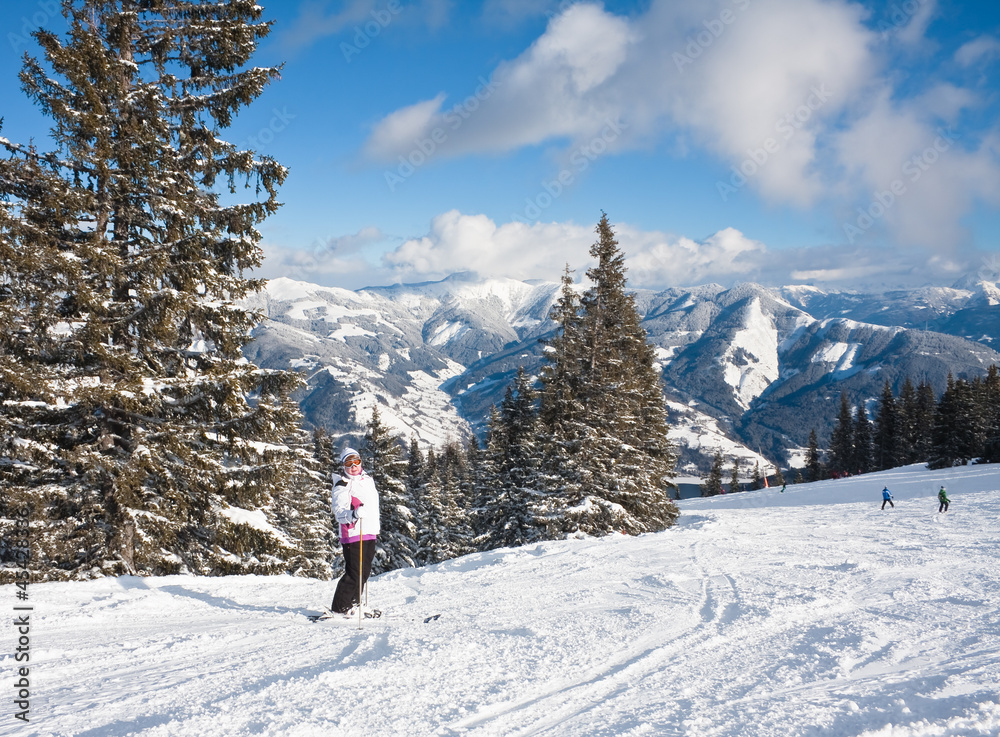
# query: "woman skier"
355,507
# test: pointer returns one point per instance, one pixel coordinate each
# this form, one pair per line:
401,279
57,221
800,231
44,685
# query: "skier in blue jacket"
887,497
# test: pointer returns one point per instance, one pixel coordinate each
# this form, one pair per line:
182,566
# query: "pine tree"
565,506
734,478
442,531
304,510
947,444
923,422
625,459
136,422
862,443
907,411
383,452
512,516
453,473
814,467
712,486
842,440
756,479
431,511
887,431
991,402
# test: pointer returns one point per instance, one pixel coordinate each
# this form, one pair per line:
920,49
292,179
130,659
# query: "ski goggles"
352,461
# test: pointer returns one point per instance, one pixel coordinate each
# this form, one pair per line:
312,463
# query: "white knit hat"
347,452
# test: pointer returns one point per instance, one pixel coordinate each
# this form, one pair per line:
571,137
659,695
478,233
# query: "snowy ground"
810,612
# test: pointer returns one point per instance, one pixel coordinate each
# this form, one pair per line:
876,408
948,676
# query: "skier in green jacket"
945,501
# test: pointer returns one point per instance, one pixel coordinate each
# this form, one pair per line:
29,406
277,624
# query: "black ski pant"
943,507
357,568
889,502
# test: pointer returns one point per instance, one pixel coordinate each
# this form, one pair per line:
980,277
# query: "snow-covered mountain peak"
762,363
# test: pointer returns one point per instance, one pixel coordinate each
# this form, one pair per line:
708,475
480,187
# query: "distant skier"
355,507
887,497
945,501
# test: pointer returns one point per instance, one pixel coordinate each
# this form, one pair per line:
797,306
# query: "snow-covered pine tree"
304,512
427,495
453,472
483,512
383,454
441,530
139,430
712,486
629,457
472,483
564,506
511,511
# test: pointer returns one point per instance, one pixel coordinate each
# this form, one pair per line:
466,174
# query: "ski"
327,614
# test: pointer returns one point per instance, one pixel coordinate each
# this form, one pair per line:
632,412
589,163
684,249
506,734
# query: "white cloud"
912,174
557,88
909,20
978,51
457,242
731,73
799,92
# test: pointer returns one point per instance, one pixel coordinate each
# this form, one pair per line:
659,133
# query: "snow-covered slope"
808,612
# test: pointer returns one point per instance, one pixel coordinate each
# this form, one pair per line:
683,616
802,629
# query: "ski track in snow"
810,612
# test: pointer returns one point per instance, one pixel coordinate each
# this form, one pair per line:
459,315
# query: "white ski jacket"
356,493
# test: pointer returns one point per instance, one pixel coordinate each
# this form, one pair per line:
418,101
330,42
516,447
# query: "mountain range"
750,370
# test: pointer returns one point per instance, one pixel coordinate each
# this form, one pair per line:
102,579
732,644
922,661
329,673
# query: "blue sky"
835,143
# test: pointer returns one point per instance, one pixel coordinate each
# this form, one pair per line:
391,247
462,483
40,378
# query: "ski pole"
361,568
